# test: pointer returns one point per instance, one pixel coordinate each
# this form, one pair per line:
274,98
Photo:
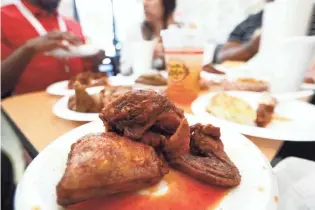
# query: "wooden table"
32,113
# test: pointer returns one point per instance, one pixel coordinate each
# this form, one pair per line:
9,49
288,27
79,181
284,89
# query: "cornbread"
231,108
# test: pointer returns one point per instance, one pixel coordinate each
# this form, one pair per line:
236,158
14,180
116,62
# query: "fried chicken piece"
88,79
170,145
83,102
105,164
151,118
169,121
136,111
178,143
265,111
155,79
207,162
210,170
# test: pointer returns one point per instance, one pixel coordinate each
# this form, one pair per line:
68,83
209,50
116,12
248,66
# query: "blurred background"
105,22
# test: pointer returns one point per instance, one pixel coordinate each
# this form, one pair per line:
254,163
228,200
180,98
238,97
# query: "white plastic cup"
142,55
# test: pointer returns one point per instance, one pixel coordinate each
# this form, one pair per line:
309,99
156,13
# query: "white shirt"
134,34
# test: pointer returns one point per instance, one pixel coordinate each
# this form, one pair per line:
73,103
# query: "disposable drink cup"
183,50
142,57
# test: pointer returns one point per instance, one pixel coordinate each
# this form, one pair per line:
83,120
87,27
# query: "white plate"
299,128
61,88
61,110
257,190
75,51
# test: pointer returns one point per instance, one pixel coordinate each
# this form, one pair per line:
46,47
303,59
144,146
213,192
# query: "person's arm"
92,63
14,65
237,51
236,48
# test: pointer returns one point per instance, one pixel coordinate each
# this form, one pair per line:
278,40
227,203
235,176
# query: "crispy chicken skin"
136,111
105,164
152,119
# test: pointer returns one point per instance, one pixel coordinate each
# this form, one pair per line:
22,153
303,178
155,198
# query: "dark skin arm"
236,51
15,64
94,61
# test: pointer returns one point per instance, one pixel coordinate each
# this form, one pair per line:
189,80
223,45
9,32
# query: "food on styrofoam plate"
237,110
265,110
246,84
88,79
84,102
231,108
154,79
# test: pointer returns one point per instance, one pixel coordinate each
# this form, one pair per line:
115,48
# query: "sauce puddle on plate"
175,191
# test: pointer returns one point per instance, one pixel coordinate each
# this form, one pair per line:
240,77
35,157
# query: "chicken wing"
83,102
104,164
207,162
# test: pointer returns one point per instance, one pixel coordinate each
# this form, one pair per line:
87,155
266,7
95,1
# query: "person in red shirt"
29,29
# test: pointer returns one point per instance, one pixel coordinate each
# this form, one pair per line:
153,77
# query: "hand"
51,41
98,57
95,60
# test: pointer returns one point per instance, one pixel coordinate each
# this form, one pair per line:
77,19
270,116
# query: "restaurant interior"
158,104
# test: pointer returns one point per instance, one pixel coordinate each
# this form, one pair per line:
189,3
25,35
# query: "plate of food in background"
155,81
145,153
86,104
88,79
276,117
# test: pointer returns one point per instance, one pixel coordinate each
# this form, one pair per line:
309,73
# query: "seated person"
29,28
243,42
158,16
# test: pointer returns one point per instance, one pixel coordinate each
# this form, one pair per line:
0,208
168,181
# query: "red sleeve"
6,48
